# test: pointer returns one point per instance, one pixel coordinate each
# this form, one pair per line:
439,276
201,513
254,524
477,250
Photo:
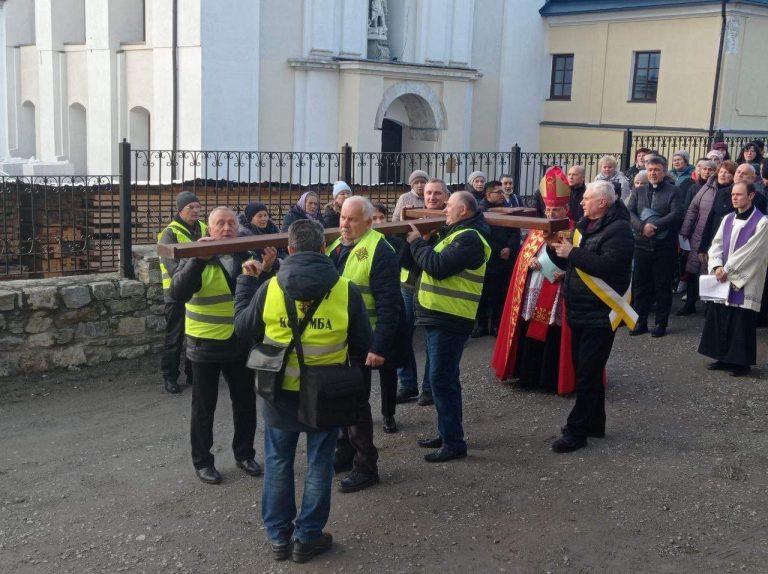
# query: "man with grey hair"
207,286
598,266
364,256
453,268
308,279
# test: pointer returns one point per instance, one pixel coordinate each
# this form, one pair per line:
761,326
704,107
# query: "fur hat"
184,199
339,187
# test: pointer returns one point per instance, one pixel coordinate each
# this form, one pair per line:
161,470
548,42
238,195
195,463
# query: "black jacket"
331,217
574,202
195,232
385,288
606,252
187,281
501,238
466,252
247,229
667,202
304,276
294,214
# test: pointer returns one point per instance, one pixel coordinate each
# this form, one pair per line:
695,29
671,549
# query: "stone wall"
69,322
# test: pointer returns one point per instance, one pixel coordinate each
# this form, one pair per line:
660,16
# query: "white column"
49,142
3,88
161,114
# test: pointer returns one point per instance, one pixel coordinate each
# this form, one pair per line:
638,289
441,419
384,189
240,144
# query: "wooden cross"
425,220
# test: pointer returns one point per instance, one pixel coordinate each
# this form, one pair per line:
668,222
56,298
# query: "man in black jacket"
207,287
656,211
446,304
602,249
306,275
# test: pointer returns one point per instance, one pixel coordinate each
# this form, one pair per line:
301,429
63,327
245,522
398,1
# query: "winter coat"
294,214
408,199
167,236
304,276
247,229
331,217
465,252
501,238
606,253
617,178
695,221
722,206
667,203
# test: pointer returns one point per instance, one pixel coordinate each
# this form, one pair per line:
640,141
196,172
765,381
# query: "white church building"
78,76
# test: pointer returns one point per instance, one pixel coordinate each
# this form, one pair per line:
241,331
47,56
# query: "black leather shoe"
405,396
686,310
209,475
355,481
740,371
719,366
306,551
594,433
171,386
640,329
425,399
659,331
281,550
569,443
444,455
479,332
342,464
390,426
436,442
250,466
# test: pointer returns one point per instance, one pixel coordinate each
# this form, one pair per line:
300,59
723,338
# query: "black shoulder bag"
330,395
269,361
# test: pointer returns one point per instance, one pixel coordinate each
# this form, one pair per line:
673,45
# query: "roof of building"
568,7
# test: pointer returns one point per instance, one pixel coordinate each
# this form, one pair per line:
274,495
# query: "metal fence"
72,224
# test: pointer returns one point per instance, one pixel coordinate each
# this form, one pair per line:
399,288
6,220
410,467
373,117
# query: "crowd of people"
553,302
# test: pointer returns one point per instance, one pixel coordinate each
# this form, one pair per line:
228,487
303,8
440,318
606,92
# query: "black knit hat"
185,198
253,208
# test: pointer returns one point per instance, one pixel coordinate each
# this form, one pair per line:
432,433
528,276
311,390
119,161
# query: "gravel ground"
95,476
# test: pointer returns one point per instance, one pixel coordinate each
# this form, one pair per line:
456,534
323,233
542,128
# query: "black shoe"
355,481
342,464
494,332
479,332
569,443
719,366
436,442
171,386
280,550
659,331
305,551
594,433
740,371
640,329
390,426
686,310
405,396
209,475
444,455
250,466
425,399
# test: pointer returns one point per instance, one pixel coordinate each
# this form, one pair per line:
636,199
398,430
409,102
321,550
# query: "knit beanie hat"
418,174
253,208
184,199
683,154
339,187
474,175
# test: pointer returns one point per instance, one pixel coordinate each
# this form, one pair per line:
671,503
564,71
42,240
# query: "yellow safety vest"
181,233
324,341
358,267
211,311
458,294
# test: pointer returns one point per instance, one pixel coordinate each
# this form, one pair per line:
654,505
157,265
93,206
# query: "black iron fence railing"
62,225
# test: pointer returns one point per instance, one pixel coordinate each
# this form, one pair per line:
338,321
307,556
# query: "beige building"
652,66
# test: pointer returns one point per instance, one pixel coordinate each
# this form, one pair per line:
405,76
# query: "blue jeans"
408,375
444,350
278,500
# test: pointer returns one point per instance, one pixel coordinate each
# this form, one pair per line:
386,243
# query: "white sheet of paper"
548,268
685,245
710,289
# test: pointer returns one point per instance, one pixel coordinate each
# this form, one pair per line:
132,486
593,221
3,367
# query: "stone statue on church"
378,43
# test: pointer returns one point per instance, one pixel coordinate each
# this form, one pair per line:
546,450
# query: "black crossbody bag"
330,395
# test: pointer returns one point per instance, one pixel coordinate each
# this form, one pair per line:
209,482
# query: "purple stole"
736,297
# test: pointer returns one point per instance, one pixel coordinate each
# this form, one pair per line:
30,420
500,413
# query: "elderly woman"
682,170
476,185
693,227
721,206
332,213
609,171
704,169
638,167
750,154
641,178
254,220
308,207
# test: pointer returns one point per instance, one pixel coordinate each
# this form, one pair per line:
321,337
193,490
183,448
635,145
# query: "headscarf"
302,205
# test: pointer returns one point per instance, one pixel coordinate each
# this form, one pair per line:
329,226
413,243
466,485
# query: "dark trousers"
388,384
492,299
652,279
356,441
692,291
590,349
174,338
205,394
